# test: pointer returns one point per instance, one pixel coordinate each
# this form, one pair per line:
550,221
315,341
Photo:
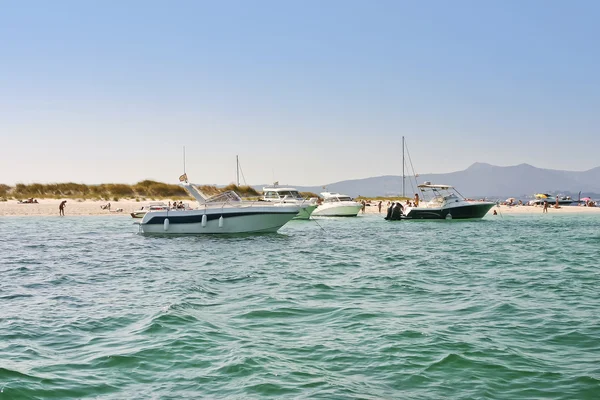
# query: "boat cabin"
439,195
335,197
281,193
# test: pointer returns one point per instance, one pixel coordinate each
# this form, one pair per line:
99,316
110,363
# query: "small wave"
271,389
244,367
6,374
232,279
451,360
287,312
15,296
321,286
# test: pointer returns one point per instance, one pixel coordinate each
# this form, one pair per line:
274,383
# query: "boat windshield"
271,195
290,194
337,198
225,197
440,194
282,194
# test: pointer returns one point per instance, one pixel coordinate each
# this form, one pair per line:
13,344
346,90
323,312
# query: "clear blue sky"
306,92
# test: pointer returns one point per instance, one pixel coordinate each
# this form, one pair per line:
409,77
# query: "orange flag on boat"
183,178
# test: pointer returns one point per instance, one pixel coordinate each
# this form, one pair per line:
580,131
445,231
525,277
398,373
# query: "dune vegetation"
146,189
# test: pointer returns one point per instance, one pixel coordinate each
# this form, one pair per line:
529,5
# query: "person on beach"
379,206
61,208
364,205
545,210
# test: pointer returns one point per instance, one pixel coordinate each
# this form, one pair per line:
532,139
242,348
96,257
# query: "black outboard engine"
397,212
389,212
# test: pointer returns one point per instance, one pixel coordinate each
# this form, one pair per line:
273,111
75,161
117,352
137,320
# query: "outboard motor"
389,212
397,212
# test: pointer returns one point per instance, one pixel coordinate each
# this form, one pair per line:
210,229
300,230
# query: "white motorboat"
446,203
223,213
289,195
541,198
337,205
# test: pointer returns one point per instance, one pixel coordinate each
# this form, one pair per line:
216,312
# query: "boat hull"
233,221
553,202
306,212
470,211
326,210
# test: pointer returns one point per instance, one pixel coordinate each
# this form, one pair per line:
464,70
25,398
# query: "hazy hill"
479,180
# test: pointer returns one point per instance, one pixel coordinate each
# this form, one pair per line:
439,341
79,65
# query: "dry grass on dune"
113,191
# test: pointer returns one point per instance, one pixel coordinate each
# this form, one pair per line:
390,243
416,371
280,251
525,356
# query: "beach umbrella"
586,199
510,199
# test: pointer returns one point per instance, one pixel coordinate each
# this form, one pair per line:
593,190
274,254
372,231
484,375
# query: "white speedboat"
290,195
337,205
223,213
541,198
446,203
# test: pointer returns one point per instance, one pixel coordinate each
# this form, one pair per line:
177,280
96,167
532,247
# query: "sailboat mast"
237,170
403,177
184,160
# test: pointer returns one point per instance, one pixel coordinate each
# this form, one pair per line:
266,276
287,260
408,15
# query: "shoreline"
74,207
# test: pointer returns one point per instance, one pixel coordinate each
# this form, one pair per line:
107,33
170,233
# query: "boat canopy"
225,197
279,188
430,186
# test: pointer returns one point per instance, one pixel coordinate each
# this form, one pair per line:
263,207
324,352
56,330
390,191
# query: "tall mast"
237,170
184,160
403,195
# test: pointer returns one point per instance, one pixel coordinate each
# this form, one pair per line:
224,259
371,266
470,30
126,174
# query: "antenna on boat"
403,177
237,170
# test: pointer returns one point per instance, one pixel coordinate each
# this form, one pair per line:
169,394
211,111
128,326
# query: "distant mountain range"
477,181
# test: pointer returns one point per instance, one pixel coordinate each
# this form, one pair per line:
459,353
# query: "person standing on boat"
61,208
416,199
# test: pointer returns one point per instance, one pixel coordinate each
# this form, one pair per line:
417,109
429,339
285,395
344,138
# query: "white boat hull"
218,220
337,210
306,212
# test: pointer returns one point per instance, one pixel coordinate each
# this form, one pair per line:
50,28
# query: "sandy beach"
49,207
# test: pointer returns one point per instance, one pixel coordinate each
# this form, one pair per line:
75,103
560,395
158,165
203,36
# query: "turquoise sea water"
507,307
